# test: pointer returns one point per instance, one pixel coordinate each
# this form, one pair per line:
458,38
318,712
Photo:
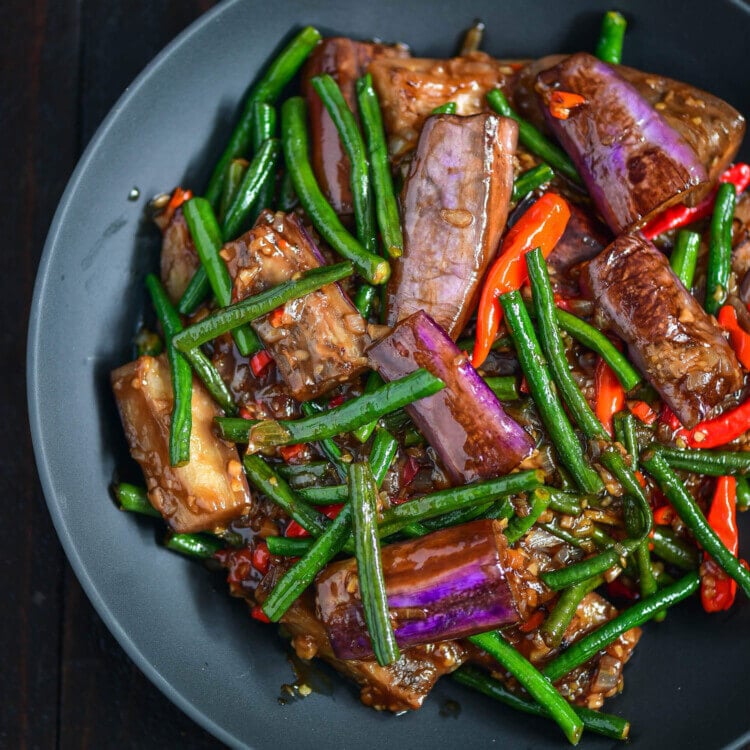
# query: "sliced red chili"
259,362
261,558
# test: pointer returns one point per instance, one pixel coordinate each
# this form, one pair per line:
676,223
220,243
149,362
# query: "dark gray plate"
686,686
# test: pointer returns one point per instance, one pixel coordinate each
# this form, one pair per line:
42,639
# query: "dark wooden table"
65,681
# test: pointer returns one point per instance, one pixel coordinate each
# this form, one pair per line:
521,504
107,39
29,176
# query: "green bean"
585,569
609,47
530,180
289,546
277,76
364,300
607,725
544,394
518,526
135,500
533,139
200,546
673,549
261,170
743,492
584,543
554,627
505,387
502,342
291,585
554,349
596,341
348,130
264,128
565,502
294,137
449,108
204,229
625,433
457,517
501,510
345,418
374,381
337,493
364,507
693,518
386,207
148,343
276,489
536,685
720,248
181,423
708,462
287,197
235,173
582,650
457,498
195,292
684,257
304,475
254,307
327,446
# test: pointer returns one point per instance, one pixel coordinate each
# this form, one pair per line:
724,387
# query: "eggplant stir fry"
450,373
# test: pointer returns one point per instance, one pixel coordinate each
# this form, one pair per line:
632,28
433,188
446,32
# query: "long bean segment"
328,447
533,139
554,627
268,88
201,546
504,387
573,574
531,180
264,128
518,525
345,418
720,248
596,341
181,424
134,499
374,381
362,199
254,307
625,433
688,510
545,397
196,291
289,546
539,688
673,549
235,173
684,257
363,502
449,108
294,137
300,576
609,47
207,237
607,725
710,463
386,207
641,612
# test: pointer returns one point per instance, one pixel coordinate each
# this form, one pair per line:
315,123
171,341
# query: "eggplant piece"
317,341
449,584
454,203
670,337
464,423
712,127
633,162
211,489
179,258
583,239
346,60
410,89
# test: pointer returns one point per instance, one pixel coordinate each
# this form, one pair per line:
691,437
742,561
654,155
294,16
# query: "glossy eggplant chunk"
671,339
634,164
449,584
464,423
179,258
712,127
317,341
583,239
454,203
211,489
345,60
410,89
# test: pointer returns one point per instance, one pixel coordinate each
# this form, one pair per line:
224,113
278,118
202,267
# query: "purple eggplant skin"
449,584
455,204
712,127
633,163
670,337
464,423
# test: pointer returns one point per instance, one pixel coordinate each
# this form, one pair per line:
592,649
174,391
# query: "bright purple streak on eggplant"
465,423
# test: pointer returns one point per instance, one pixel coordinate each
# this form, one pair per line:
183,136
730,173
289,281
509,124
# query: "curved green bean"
708,462
720,248
518,526
684,257
531,180
554,627
235,173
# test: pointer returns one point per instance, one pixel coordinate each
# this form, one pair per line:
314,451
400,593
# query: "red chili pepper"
566,303
714,432
259,362
257,613
610,395
524,387
245,413
276,318
261,558
331,510
665,515
541,226
409,471
561,102
290,452
294,530
336,401
179,196
738,336
717,588
237,562
680,216
641,410
533,622
620,590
